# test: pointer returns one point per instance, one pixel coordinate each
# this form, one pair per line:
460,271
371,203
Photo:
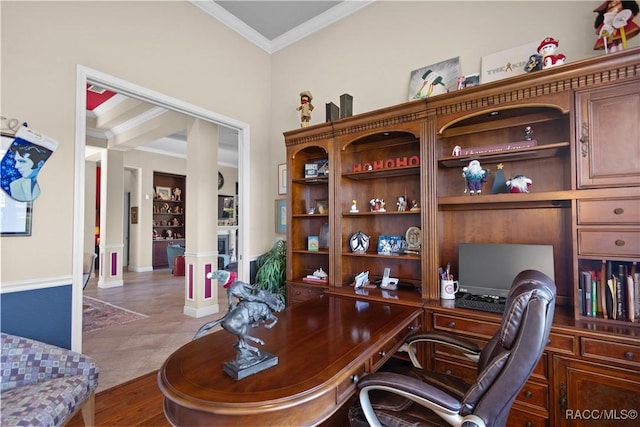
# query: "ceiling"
120,122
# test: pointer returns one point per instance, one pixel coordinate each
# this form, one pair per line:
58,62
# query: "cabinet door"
589,394
608,133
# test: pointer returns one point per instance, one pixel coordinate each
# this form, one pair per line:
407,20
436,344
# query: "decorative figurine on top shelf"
474,176
519,184
457,150
377,205
415,206
177,194
547,49
614,25
402,203
528,133
305,108
500,183
359,243
354,207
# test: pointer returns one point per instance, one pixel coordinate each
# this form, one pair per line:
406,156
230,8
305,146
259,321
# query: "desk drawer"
609,243
391,346
561,343
298,293
628,354
470,327
518,418
534,395
621,211
348,386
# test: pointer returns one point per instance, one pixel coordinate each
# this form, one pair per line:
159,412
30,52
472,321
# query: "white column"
111,218
201,253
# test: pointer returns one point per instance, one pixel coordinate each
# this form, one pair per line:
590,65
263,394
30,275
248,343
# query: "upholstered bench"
45,385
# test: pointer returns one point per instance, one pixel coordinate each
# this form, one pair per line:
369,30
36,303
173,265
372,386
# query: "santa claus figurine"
519,184
475,176
547,49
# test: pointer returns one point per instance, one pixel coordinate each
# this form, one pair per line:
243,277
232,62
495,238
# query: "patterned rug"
98,314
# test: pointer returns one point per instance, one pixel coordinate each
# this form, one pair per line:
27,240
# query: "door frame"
86,75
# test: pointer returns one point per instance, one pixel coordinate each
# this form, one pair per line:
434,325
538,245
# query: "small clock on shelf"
220,180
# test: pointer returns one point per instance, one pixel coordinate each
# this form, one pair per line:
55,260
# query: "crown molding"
296,34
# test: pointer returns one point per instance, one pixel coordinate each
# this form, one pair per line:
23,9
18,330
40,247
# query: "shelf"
314,180
307,252
310,215
525,200
369,213
537,152
383,173
376,255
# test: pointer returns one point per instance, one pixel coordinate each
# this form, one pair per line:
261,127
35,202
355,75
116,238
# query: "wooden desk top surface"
319,344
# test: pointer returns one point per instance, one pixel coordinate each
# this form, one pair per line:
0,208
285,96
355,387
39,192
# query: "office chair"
415,397
88,266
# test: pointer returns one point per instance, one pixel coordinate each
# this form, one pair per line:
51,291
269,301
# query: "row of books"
613,291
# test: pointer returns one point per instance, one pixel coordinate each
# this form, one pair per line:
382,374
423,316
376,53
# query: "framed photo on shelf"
322,206
163,193
281,216
282,178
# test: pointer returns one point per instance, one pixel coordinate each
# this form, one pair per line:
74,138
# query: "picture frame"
163,193
134,215
16,217
281,216
282,178
322,206
434,79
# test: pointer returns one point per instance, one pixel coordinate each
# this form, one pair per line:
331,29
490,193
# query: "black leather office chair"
415,397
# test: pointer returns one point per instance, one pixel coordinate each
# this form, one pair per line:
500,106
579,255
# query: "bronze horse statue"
255,307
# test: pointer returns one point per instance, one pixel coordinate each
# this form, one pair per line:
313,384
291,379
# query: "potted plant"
271,270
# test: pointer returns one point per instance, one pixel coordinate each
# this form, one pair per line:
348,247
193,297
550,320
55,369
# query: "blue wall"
41,314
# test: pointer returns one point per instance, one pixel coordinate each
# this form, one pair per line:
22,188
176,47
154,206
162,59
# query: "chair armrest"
470,348
26,361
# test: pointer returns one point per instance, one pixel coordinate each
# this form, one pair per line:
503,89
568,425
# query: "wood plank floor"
139,403
135,403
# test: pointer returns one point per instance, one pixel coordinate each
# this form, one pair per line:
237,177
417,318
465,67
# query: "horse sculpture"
255,307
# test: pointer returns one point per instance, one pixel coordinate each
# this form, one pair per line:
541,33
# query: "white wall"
169,47
175,49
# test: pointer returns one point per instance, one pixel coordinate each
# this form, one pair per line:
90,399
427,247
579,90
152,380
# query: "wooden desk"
323,345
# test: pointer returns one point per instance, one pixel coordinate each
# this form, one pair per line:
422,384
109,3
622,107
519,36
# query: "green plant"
271,270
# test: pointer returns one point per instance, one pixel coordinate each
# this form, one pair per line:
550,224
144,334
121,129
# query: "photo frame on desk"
15,216
282,178
281,216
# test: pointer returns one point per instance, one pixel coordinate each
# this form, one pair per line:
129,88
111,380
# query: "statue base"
244,368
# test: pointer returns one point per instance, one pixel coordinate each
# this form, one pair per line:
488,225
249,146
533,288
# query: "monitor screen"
489,268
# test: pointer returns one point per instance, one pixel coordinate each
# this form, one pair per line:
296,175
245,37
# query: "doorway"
88,76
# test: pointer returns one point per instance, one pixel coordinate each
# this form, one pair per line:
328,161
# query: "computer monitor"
489,268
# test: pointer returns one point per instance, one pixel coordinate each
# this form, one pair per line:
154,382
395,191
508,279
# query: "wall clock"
220,180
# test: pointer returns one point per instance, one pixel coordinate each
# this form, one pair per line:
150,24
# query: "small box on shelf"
313,243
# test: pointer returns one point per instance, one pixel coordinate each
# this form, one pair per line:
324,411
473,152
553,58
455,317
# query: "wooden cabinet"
584,200
599,394
168,215
608,133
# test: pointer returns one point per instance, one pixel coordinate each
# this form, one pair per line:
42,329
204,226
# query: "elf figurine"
305,108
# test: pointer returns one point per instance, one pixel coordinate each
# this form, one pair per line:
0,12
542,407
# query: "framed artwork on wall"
163,193
15,216
281,216
282,178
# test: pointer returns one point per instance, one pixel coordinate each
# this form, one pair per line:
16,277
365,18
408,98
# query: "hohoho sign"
398,162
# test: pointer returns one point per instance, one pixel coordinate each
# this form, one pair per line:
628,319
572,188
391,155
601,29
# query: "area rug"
97,314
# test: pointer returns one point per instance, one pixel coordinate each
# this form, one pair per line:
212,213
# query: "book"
313,243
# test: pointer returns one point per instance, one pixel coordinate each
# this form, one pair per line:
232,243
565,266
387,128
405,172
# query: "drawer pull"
618,211
620,242
447,372
382,353
528,424
355,378
452,324
528,394
629,355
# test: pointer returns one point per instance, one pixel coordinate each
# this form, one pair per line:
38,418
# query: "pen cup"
448,289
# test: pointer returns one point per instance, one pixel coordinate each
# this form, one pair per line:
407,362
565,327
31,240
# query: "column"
201,253
111,219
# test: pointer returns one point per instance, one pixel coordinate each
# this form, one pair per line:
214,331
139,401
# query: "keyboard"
482,304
